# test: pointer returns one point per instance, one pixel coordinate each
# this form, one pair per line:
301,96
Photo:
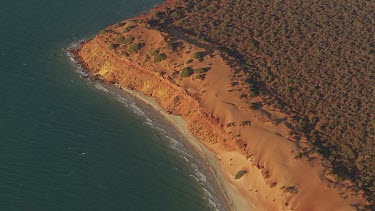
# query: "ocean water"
69,144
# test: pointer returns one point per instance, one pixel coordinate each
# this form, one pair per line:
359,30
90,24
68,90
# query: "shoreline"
207,157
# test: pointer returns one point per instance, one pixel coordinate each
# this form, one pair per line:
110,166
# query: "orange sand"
217,112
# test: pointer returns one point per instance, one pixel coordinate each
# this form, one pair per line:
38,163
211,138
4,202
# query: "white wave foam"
161,130
174,142
210,198
149,120
69,52
101,88
150,125
137,110
194,177
212,204
177,146
207,193
123,100
185,158
199,174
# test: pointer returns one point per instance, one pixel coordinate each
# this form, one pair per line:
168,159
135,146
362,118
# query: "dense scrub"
312,59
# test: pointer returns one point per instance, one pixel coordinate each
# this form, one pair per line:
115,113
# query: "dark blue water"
65,145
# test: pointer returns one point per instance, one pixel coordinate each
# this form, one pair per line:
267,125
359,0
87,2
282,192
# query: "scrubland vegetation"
313,60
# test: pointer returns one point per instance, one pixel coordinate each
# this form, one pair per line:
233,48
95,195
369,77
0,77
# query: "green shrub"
134,47
158,14
299,155
175,15
159,57
117,25
202,38
162,21
103,32
176,99
120,39
200,70
339,177
128,40
112,46
171,46
155,52
201,76
132,50
189,61
255,106
198,55
127,29
292,189
186,72
240,174
253,93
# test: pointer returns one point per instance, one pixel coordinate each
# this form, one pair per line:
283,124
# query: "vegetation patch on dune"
186,72
240,174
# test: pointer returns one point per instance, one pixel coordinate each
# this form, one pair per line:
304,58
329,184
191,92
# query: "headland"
201,90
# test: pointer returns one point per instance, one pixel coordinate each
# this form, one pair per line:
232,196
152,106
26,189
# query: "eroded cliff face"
214,102
114,68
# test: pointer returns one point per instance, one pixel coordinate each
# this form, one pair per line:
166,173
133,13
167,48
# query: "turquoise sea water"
65,144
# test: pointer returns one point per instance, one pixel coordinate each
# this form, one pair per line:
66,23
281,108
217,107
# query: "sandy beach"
234,199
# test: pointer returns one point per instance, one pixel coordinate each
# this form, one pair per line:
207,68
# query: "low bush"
175,15
198,55
256,106
200,70
127,29
186,72
189,61
154,52
117,25
176,99
128,40
121,39
201,76
171,46
133,48
240,174
158,15
292,189
299,155
112,46
159,57
253,92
